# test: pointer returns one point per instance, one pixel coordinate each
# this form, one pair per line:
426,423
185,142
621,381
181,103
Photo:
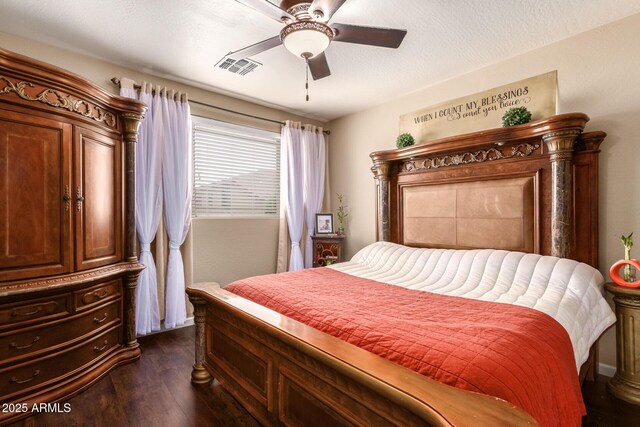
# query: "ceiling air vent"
241,66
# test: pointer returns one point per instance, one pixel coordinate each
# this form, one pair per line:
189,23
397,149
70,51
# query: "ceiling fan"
307,33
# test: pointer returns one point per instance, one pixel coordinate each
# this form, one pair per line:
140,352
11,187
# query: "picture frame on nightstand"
324,223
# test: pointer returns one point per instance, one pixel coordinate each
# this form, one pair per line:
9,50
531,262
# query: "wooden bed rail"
285,373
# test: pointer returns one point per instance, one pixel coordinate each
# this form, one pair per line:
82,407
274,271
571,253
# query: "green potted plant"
516,116
405,140
342,214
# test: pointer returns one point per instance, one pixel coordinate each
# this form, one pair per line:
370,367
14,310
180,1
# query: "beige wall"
223,249
226,250
598,74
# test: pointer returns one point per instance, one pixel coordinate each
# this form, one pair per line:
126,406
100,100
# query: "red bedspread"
514,353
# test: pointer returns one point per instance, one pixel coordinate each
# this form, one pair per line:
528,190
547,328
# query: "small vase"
629,273
621,280
340,230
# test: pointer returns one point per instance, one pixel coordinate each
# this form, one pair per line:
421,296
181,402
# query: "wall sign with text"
483,110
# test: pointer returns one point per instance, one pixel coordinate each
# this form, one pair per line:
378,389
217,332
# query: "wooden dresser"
68,255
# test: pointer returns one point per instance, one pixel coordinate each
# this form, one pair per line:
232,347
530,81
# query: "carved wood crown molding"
381,170
69,279
57,99
522,150
527,133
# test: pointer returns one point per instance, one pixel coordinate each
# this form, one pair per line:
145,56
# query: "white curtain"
293,165
282,262
176,178
148,204
314,168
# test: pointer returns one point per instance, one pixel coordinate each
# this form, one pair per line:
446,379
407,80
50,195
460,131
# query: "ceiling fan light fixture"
306,39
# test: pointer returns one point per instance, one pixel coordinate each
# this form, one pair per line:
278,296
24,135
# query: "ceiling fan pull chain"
306,85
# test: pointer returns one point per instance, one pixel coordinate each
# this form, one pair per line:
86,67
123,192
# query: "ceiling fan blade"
373,36
319,67
327,7
267,8
255,49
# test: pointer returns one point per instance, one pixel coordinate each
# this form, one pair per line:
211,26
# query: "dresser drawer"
17,379
95,295
41,310
38,339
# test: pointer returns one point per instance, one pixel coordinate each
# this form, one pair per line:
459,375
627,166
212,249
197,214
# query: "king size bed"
427,326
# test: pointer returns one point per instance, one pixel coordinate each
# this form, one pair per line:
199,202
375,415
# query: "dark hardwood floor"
156,391
605,410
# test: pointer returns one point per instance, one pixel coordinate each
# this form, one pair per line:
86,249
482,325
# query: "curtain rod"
136,86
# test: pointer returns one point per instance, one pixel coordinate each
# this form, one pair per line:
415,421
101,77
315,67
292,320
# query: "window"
236,170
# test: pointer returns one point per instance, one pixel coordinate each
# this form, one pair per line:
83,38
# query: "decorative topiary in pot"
405,140
516,116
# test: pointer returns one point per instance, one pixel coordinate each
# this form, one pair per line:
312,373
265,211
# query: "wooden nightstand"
327,248
625,384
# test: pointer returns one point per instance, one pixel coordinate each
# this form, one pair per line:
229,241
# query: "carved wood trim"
381,171
57,99
132,121
97,274
590,141
479,156
199,374
628,300
561,145
528,132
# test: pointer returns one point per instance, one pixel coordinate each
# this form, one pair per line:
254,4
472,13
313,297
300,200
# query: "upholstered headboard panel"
530,188
492,213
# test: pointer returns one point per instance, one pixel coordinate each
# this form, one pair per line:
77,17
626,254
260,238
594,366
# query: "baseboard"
606,370
188,322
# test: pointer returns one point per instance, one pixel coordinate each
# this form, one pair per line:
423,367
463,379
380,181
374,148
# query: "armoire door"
35,196
97,199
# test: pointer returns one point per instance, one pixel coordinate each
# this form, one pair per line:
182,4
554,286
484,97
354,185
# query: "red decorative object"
614,272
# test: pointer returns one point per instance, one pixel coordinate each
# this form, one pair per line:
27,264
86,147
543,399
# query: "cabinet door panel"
35,173
98,201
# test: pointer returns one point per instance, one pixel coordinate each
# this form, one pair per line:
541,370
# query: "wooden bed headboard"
530,188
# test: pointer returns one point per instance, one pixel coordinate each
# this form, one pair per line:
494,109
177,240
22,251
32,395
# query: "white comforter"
569,291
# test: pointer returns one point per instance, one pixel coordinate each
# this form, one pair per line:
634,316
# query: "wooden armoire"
68,255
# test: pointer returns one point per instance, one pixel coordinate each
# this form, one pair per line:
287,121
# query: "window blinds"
236,170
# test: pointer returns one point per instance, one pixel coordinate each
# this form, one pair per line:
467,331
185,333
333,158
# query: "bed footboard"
286,373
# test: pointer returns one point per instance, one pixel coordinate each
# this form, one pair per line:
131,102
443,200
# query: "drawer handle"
101,293
67,198
14,380
79,198
31,313
99,349
96,320
22,347
97,294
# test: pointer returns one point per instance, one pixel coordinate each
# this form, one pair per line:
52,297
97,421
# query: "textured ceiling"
184,39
